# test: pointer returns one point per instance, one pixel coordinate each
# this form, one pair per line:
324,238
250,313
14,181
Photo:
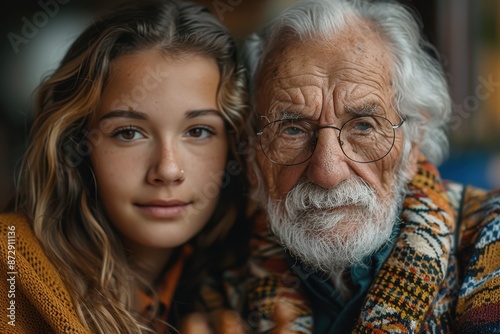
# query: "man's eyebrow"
365,110
134,114
279,115
201,112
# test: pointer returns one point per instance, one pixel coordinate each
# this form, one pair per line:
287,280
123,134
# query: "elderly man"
351,116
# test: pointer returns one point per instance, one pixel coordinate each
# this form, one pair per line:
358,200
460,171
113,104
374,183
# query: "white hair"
314,224
332,229
421,91
306,222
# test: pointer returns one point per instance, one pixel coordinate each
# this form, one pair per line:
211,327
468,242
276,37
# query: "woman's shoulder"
18,240
13,218
15,228
35,283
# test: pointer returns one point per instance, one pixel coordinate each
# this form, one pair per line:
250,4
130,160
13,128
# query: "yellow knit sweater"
33,298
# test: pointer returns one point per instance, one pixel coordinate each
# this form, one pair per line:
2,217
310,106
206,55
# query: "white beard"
333,229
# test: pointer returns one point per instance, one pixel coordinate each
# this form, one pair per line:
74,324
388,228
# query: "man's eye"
292,128
127,134
292,131
363,126
200,133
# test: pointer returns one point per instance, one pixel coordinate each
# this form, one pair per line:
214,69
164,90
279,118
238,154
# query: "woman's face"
161,147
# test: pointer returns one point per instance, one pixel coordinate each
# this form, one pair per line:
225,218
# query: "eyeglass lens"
362,139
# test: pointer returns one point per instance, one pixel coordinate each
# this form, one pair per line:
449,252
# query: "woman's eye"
128,134
200,133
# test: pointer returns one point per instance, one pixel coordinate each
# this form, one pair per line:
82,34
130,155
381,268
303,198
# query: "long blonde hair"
57,189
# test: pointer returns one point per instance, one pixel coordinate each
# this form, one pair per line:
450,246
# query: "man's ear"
413,161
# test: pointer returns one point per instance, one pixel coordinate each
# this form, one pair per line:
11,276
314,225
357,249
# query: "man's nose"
165,166
327,166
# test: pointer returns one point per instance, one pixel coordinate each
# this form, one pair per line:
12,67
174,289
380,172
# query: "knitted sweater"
35,299
442,275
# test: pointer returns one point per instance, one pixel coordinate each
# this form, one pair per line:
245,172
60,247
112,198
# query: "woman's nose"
165,167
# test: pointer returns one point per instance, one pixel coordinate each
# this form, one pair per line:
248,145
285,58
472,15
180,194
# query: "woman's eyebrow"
201,112
134,114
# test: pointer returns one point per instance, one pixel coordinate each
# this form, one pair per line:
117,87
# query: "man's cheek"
288,178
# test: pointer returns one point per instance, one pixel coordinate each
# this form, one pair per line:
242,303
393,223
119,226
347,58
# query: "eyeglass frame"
316,133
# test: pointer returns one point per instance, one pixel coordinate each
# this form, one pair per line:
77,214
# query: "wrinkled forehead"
357,54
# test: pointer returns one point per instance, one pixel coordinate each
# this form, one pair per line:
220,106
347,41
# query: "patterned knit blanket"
443,274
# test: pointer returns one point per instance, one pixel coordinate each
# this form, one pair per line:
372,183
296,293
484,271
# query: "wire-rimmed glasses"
362,139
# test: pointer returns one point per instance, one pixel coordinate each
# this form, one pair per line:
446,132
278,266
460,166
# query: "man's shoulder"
472,204
480,200
478,224
477,215
478,209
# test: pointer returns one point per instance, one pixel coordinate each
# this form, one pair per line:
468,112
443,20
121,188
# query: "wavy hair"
421,91
57,189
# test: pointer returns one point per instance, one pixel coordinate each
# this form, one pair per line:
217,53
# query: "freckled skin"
131,173
320,80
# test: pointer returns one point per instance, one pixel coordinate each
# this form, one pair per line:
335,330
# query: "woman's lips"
163,209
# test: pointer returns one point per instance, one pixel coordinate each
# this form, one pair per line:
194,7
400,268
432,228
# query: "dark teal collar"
333,314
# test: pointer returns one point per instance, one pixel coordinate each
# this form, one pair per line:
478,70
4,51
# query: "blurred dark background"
466,33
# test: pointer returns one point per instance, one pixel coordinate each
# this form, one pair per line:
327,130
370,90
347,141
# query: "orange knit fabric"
40,301
31,286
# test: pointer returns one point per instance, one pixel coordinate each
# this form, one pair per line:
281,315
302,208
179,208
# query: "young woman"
131,178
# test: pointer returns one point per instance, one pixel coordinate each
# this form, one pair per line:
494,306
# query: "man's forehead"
352,53
353,69
353,44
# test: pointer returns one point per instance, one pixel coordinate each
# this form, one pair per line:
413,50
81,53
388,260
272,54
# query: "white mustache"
307,195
